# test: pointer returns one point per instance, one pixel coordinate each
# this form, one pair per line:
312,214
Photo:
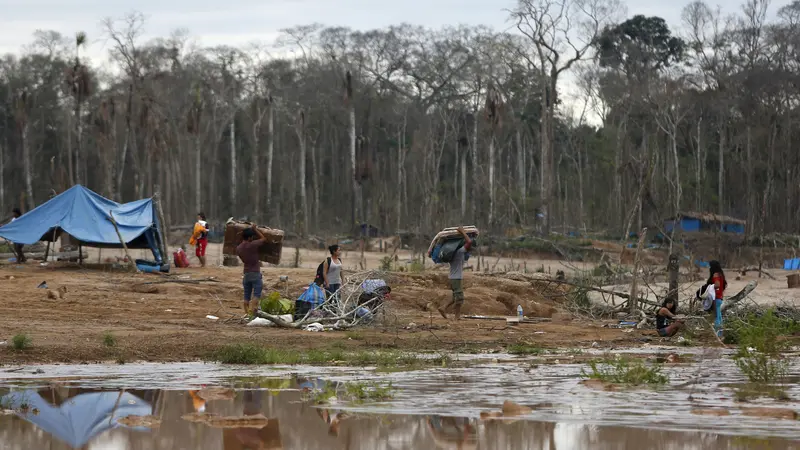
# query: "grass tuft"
625,371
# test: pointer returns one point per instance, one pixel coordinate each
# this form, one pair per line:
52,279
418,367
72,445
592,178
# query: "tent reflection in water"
80,418
85,216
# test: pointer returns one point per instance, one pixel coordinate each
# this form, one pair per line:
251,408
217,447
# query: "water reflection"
62,418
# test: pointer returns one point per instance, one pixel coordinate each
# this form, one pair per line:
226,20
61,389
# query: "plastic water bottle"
519,312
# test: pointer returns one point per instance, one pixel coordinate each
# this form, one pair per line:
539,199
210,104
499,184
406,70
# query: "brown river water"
96,407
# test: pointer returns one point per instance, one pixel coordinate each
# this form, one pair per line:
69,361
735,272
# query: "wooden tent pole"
122,241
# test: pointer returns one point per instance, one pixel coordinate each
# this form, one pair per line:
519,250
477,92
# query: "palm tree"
79,85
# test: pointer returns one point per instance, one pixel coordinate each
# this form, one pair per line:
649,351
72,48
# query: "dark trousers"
19,253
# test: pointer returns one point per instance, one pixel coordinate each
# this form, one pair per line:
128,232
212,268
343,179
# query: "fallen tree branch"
596,289
732,301
744,271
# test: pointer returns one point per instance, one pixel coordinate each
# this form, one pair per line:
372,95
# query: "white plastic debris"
316,326
262,322
212,317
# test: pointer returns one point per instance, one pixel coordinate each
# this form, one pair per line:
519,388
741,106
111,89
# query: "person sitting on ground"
252,240
456,278
667,322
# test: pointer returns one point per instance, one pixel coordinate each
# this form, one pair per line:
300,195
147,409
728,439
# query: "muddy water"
78,407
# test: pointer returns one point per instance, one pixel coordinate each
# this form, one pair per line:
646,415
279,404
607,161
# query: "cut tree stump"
793,281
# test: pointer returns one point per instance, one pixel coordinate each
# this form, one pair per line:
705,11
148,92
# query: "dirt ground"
167,321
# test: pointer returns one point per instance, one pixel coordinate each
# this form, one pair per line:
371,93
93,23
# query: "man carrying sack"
252,240
456,278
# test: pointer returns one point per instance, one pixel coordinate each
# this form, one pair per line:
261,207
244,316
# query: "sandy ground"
167,321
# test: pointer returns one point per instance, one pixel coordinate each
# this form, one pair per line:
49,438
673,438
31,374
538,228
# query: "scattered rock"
771,413
216,393
711,412
511,409
52,295
145,289
140,421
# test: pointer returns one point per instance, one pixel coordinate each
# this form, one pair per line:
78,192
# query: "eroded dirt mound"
484,295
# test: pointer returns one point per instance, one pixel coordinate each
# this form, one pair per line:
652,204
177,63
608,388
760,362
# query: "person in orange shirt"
200,238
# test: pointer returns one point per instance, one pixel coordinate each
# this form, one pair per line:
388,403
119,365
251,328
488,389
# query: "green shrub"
21,342
625,371
761,340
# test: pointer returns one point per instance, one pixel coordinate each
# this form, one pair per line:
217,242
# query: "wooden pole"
80,254
47,251
632,303
131,263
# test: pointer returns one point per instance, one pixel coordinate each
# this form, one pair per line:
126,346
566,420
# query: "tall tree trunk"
674,147
26,162
129,144
546,143
464,186
70,156
399,191
356,191
749,171
523,192
721,173
79,156
233,203
3,172
198,176
255,176
491,176
474,161
315,182
270,151
301,138
698,174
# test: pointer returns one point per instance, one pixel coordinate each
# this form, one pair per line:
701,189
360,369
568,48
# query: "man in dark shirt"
253,239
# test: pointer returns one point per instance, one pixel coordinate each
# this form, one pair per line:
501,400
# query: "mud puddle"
201,406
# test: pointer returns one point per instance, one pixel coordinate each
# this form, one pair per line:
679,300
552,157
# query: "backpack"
319,278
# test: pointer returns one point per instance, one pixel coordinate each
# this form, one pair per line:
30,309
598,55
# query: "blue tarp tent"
79,418
84,215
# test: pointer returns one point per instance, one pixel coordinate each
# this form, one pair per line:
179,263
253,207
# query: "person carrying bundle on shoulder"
456,278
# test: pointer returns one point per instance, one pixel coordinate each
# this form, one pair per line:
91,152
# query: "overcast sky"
238,22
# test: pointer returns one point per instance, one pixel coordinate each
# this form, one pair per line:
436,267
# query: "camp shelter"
85,216
79,419
697,222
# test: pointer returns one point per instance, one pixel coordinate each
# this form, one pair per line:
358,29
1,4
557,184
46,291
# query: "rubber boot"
457,312
444,306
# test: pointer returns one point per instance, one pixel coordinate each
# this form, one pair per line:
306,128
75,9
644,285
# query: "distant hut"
699,222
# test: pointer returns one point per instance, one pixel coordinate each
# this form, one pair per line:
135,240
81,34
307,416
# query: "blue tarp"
84,215
80,418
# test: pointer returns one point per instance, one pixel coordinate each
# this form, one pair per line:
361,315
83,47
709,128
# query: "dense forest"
408,128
